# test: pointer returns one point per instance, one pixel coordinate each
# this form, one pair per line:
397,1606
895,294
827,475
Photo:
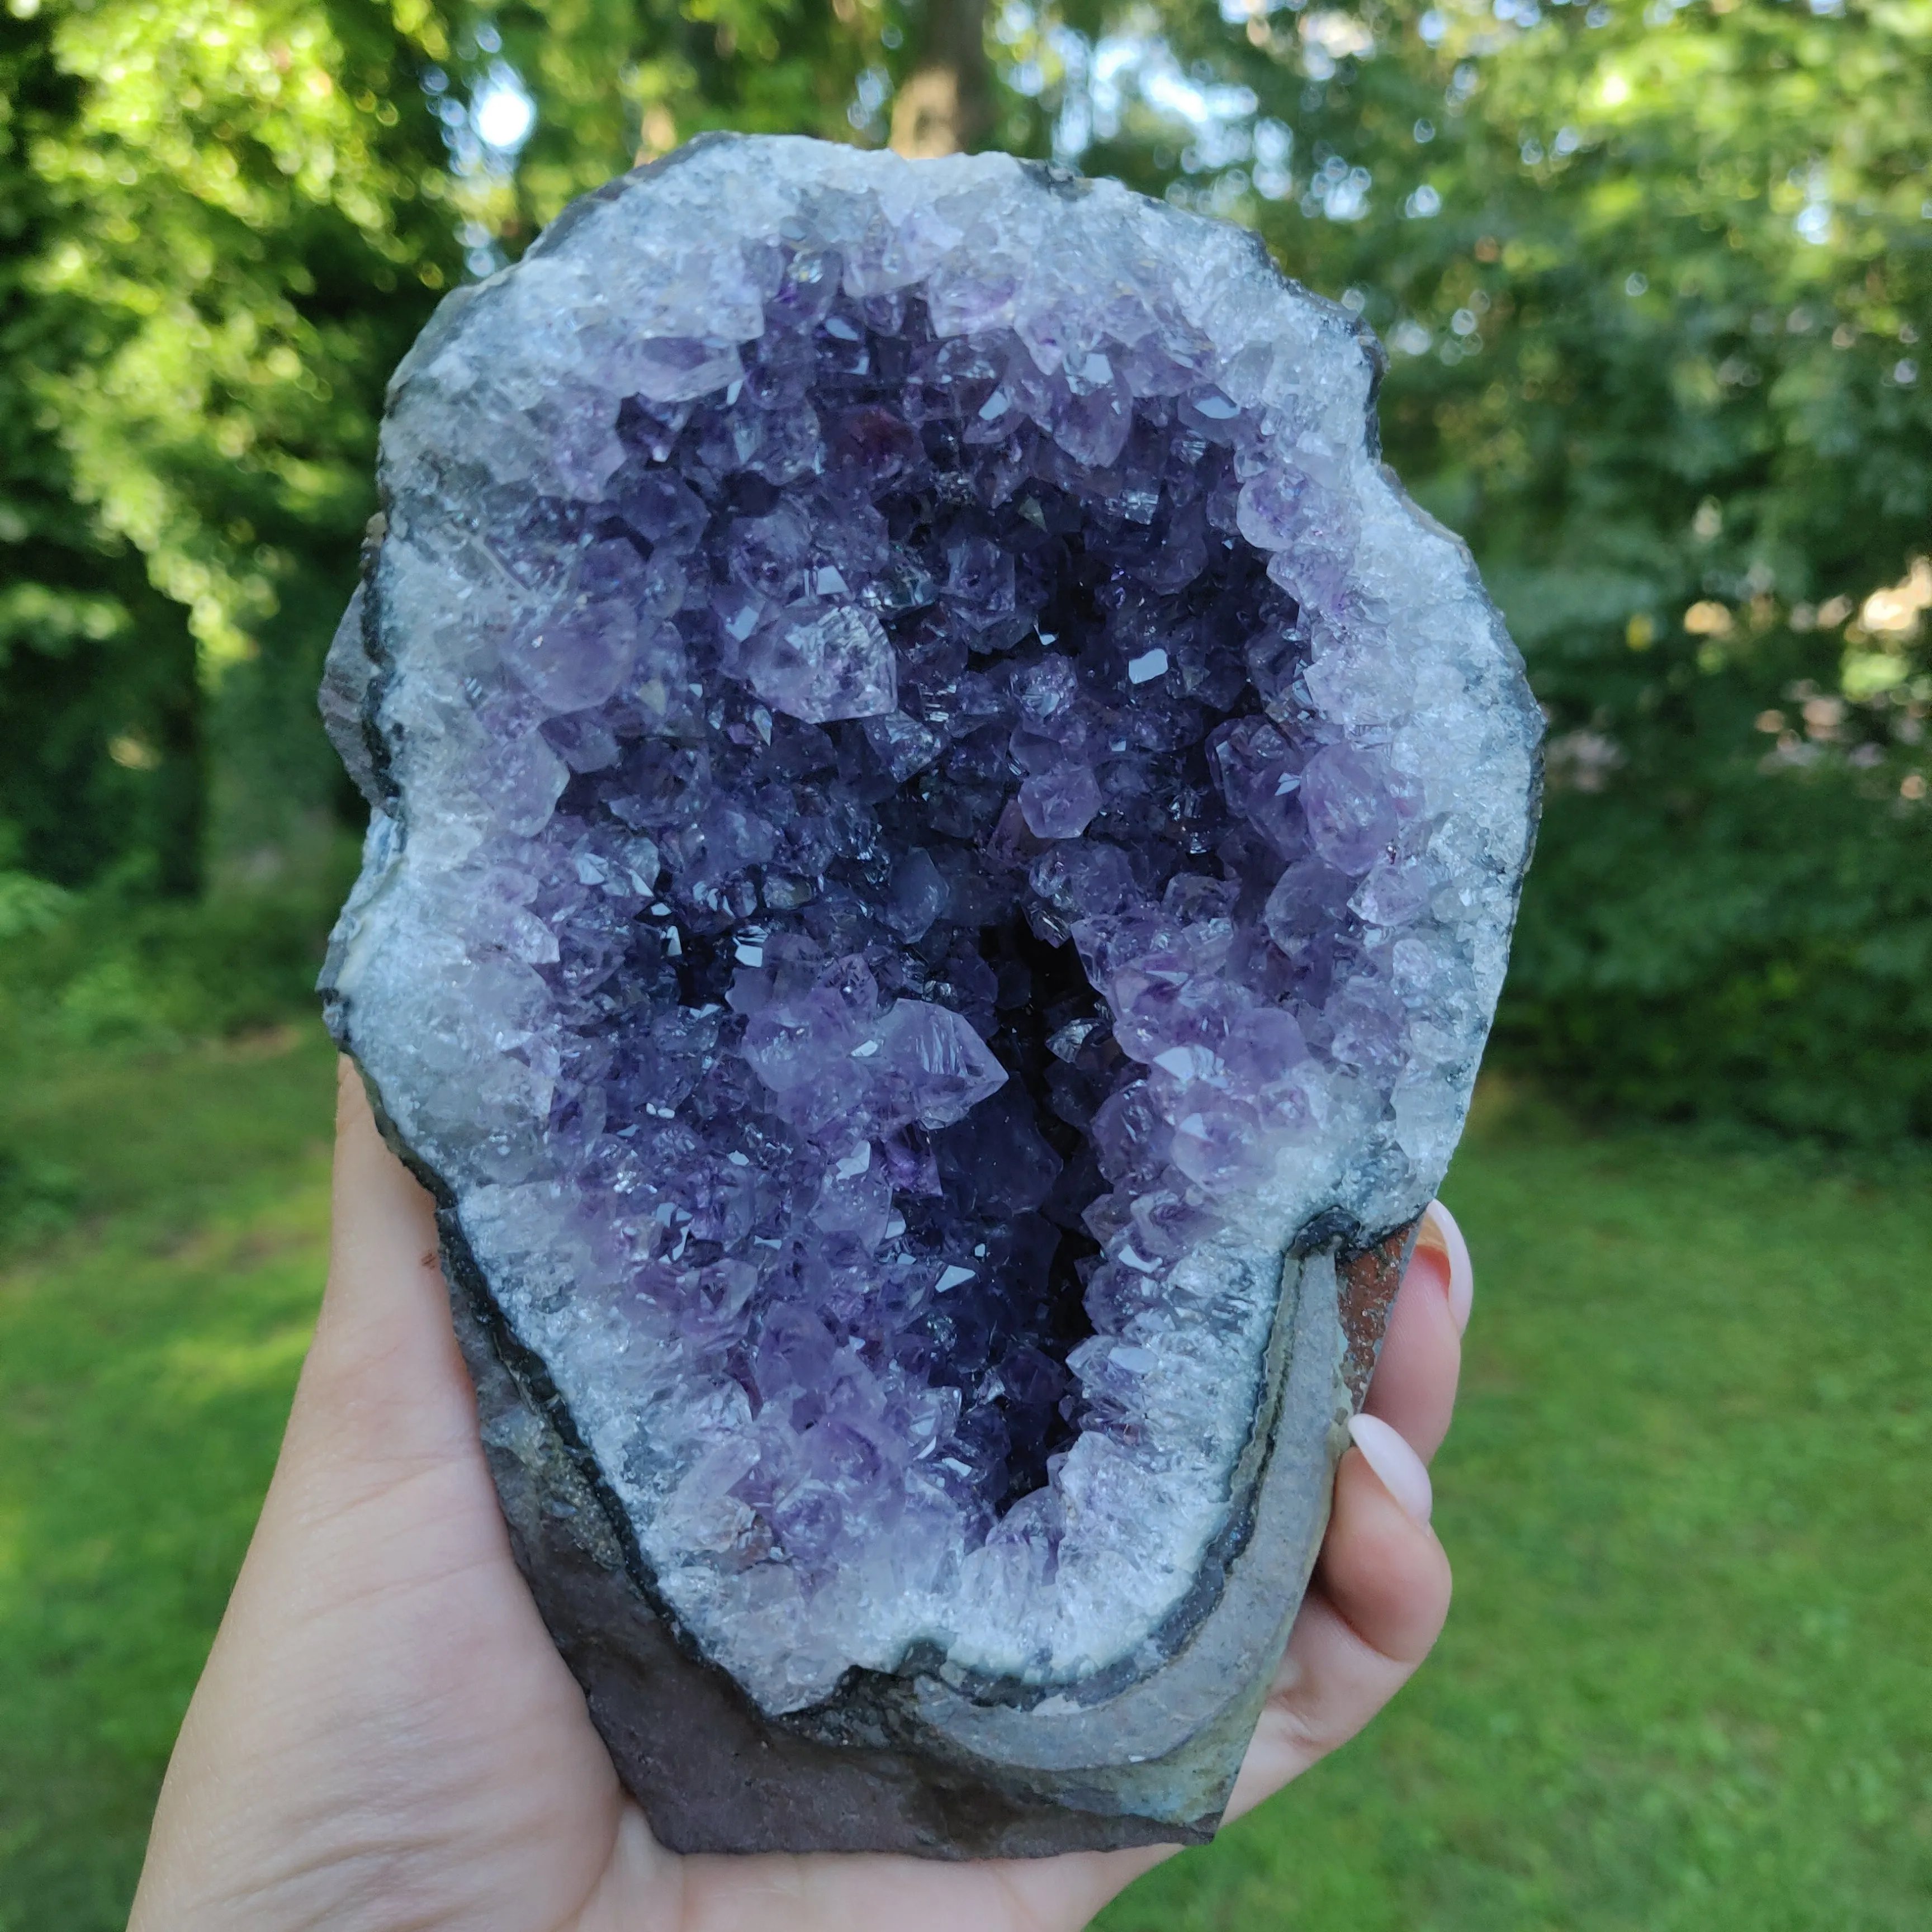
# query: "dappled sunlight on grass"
146,1362
1684,1687
205,1371
1685,1684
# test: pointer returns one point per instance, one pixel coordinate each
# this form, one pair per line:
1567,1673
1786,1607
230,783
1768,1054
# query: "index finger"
1413,1390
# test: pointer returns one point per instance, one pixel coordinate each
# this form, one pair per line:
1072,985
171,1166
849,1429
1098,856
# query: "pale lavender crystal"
822,662
937,814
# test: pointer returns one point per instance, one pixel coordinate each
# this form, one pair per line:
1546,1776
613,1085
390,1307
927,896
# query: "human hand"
385,1737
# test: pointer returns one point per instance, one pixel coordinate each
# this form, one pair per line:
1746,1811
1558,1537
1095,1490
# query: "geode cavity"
943,843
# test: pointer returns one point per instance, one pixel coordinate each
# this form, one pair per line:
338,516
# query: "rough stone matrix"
943,847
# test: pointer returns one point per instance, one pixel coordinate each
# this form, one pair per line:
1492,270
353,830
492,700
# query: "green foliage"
249,223
93,659
220,232
37,1196
114,968
1684,1684
1653,286
618,80
219,228
28,904
1732,942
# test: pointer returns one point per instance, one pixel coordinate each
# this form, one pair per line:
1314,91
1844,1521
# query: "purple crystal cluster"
939,819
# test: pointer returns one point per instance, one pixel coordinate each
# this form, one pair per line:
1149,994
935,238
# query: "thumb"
384,1390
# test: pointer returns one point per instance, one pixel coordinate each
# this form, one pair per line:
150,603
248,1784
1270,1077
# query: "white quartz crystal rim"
644,264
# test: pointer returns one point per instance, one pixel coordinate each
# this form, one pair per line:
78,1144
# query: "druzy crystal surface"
940,822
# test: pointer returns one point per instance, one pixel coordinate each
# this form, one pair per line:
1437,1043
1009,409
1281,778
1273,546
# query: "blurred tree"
616,81
235,219
100,750
945,105
219,227
1654,285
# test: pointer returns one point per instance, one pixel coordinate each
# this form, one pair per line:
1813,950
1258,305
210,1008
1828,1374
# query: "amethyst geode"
944,842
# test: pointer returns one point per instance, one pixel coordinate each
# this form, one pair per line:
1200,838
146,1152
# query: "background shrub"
1653,287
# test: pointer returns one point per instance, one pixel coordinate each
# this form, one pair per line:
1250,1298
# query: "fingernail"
1397,1467
1439,1230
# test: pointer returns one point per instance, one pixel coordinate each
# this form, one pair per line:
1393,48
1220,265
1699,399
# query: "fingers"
1414,1386
1381,1587
384,1384
1438,1231
1399,1468
1382,1570
1380,1593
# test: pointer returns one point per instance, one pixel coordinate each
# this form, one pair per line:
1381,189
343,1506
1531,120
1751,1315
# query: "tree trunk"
945,105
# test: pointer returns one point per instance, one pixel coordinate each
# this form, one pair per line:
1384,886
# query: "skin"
385,1738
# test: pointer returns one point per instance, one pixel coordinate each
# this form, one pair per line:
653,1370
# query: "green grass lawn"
147,1357
1688,1682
